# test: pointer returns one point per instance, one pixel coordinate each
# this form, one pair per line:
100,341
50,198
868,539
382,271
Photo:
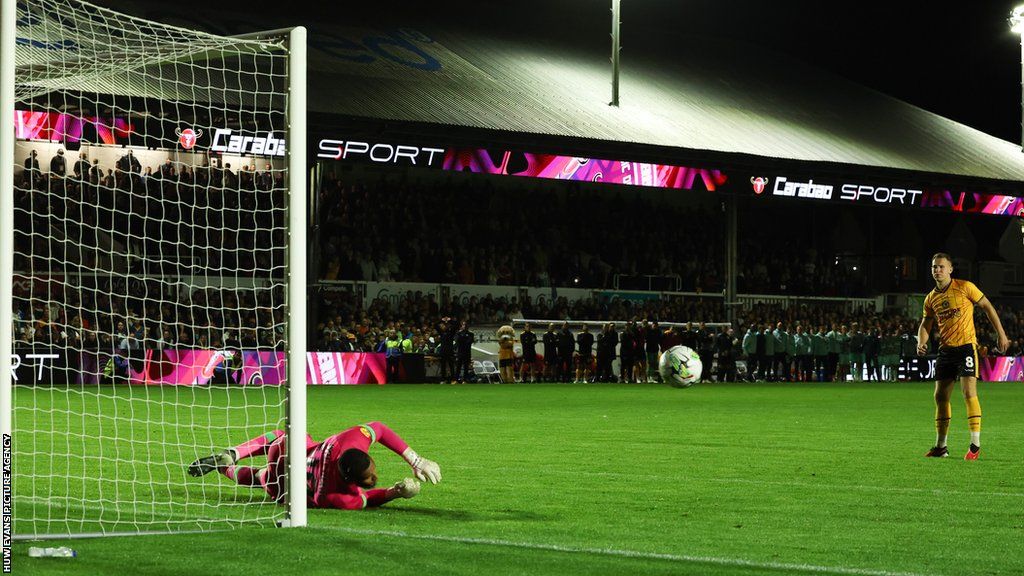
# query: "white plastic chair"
489,370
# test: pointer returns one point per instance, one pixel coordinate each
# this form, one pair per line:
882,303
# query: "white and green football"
680,367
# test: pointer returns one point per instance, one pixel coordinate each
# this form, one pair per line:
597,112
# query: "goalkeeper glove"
425,470
407,488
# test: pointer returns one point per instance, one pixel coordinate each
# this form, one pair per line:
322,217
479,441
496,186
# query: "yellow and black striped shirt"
953,308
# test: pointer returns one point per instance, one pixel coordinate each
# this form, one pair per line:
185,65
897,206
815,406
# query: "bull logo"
759,183
188,137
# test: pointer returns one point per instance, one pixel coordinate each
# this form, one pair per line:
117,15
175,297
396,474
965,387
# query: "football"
680,367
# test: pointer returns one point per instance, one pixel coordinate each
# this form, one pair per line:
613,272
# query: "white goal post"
152,269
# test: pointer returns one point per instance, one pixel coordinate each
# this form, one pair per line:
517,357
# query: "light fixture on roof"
1017,20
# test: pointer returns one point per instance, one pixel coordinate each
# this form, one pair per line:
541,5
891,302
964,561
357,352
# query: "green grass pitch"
609,479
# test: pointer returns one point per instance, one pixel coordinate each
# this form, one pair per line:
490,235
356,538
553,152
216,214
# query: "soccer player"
529,341
585,348
551,361
339,471
951,303
652,342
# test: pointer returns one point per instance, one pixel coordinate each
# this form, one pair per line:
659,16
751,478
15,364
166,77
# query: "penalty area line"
633,554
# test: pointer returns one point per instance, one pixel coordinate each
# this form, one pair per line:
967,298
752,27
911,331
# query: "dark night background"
957,59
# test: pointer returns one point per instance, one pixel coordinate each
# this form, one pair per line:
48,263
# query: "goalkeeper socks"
246,476
942,415
258,446
243,476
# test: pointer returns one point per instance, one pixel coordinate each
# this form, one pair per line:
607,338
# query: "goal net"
153,269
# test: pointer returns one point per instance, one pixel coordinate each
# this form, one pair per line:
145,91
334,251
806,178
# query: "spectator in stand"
265,179
81,167
95,172
58,165
230,179
31,175
128,163
167,171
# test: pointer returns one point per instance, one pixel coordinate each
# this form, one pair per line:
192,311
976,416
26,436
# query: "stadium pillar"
616,14
731,258
316,175
1017,27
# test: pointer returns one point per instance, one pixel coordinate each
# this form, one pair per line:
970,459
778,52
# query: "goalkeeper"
339,471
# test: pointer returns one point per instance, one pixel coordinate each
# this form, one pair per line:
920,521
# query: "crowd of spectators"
179,219
345,325
114,311
472,232
175,219
118,313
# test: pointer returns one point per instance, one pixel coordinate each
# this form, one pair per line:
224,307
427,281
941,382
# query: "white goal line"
633,554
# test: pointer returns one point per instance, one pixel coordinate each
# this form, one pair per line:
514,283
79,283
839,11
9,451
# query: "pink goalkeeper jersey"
324,486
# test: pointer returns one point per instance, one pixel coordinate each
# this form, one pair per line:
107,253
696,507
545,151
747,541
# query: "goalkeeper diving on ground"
339,471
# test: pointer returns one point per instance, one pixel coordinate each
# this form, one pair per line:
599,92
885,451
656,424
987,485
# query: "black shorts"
505,362
956,362
529,358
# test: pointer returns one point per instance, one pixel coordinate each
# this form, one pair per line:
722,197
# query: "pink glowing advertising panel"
345,368
1002,369
198,367
249,367
974,202
573,168
57,127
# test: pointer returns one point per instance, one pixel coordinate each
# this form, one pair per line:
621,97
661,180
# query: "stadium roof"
706,95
